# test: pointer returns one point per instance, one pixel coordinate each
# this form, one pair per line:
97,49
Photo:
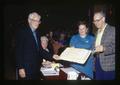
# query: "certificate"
76,55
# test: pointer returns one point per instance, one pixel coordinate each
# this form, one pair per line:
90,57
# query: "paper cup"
72,75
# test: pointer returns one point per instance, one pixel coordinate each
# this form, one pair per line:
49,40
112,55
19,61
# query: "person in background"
62,38
47,52
104,48
55,43
49,35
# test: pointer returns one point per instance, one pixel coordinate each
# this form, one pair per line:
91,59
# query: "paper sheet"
68,69
75,55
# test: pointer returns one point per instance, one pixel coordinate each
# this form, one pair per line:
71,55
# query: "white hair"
34,15
44,38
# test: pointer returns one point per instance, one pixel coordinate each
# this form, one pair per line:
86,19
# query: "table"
62,76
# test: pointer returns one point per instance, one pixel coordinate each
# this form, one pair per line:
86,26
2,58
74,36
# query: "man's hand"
22,73
99,48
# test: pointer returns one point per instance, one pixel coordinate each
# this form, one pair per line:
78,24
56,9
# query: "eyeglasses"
35,20
97,20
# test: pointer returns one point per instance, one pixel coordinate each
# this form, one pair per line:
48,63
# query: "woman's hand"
56,57
46,63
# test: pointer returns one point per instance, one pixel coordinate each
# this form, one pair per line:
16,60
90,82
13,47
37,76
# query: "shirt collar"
103,28
83,36
33,30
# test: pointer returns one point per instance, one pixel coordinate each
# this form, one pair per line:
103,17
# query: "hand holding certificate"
76,55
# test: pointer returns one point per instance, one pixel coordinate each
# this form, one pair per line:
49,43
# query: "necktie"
34,33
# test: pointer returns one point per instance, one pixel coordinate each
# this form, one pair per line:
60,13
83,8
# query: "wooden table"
62,76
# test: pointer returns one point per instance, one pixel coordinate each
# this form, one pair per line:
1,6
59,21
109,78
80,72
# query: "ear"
29,21
86,30
103,19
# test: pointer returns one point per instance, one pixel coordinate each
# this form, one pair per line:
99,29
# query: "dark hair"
100,8
82,23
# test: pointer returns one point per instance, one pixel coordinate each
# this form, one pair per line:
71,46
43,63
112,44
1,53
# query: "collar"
103,28
33,30
83,36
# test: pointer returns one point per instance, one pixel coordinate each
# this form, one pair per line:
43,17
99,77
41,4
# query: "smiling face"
99,20
82,30
44,42
34,20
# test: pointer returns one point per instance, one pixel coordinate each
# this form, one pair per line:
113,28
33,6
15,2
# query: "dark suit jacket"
28,55
107,58
27,52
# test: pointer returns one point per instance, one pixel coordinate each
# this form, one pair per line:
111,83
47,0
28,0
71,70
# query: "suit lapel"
32,37
104,34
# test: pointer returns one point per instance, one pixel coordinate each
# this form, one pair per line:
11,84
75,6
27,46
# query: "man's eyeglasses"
97,20
35,20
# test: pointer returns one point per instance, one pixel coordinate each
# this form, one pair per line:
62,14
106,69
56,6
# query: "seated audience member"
46,50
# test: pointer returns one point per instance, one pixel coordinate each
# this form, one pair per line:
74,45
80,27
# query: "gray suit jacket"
107,58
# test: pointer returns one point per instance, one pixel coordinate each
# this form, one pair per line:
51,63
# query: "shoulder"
23,29
110,30
22,32
110,27
74,38
91,37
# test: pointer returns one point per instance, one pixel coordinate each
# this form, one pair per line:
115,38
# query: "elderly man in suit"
104,48
28,49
